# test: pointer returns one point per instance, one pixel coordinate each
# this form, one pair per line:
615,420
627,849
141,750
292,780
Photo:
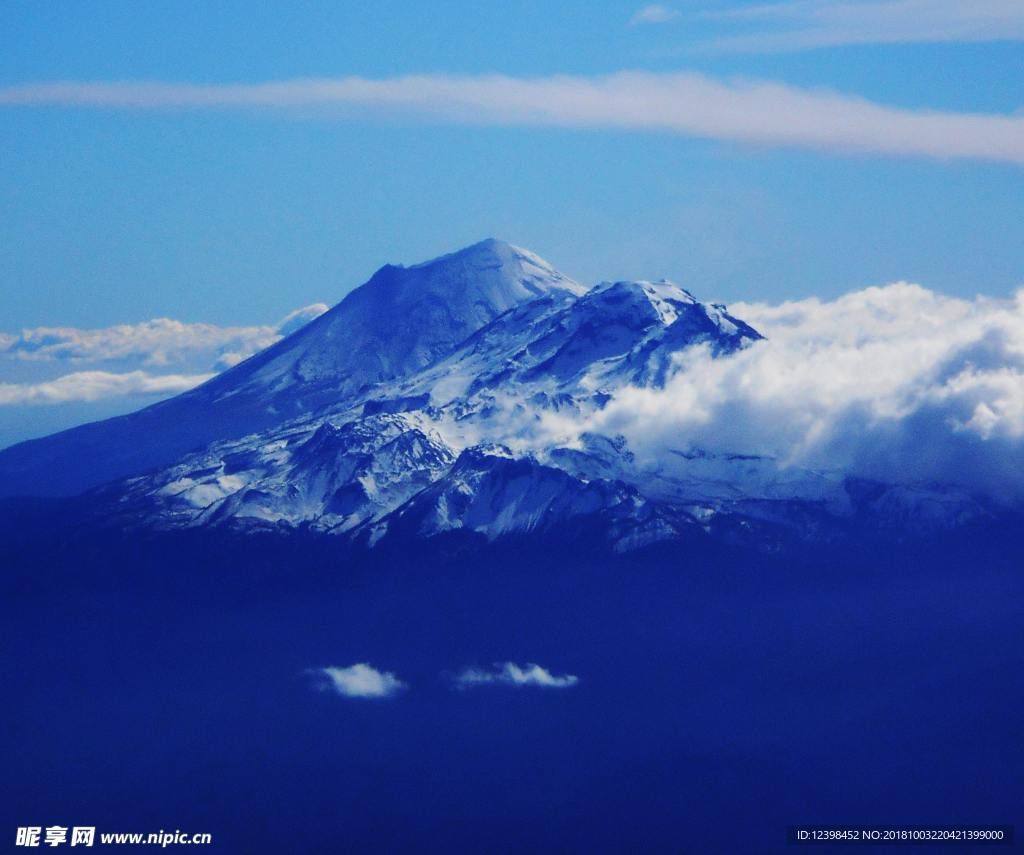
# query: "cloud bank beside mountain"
896,383
157,357
96,385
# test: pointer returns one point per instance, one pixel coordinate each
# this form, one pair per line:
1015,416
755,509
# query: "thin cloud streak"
809,24
157,342
190,354
518,676
97,385
689,104
161,341
654,14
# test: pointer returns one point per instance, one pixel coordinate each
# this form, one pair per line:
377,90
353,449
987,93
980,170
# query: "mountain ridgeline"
422,404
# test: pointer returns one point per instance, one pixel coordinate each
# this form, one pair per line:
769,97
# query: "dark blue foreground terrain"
157,682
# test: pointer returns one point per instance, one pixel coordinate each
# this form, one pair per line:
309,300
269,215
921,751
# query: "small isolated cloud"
510,674
96,385
654,14
359,681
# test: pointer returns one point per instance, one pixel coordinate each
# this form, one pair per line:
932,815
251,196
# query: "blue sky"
236,216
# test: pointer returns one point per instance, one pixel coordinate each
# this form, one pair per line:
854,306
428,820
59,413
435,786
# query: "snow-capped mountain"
433,398
615,334
400,321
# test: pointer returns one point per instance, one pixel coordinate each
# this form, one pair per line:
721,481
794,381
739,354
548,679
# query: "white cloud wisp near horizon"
656,13
751,112
190,354
97,385
156,342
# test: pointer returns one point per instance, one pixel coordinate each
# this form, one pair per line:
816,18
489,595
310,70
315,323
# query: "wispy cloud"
189,353
510,674
359,681
804,24
654,14
96,385
744,111
158,342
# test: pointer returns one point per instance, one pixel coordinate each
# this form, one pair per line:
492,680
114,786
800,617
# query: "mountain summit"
400,321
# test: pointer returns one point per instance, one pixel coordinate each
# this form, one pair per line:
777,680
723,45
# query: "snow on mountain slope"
615,334
491,492
401,320
559,352
329,475
429,400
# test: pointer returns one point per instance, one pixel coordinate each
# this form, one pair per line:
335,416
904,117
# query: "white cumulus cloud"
360,681
897,383
510,674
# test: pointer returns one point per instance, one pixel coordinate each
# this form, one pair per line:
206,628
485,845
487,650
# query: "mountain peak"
398,322
487,246
502,270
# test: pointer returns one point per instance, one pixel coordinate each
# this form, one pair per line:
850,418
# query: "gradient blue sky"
237,217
